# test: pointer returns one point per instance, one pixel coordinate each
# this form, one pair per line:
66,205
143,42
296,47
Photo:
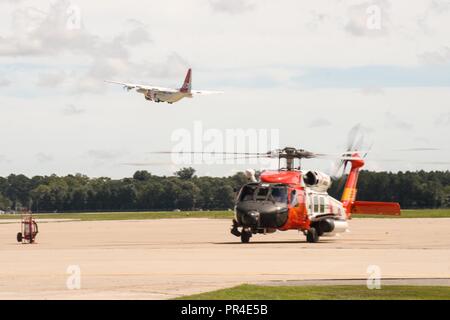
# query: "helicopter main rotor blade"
417,149
144,164
342,157
165,163
415,162
209,153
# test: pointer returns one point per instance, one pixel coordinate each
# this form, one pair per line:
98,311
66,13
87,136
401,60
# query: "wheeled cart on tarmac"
29,229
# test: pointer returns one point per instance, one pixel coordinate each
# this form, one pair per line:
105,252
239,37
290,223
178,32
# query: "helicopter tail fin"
349,194
363,207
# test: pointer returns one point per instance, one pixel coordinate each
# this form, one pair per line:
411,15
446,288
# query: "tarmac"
168,258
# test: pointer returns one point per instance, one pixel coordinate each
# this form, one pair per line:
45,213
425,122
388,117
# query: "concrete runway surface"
161,259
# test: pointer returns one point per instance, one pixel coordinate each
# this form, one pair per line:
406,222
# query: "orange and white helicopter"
290,199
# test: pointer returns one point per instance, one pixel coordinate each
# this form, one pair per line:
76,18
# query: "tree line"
419,189
186,191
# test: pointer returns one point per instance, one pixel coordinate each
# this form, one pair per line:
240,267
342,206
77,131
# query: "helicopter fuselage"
283,201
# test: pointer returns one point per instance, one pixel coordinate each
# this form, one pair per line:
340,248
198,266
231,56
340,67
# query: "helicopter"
291,199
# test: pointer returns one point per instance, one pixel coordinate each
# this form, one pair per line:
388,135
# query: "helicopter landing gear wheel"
312,236
245,236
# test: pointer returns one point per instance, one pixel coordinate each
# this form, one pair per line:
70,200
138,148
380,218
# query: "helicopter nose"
250,218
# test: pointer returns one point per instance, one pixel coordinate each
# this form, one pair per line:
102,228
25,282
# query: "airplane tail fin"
363,207
187,82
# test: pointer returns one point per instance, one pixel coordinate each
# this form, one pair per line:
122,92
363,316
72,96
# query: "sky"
302,72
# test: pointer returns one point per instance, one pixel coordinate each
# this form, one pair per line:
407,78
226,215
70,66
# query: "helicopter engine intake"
317,180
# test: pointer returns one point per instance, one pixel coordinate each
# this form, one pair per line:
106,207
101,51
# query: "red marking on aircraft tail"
187,82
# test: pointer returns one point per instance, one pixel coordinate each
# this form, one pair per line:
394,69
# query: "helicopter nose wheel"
312,236
234,229
245,236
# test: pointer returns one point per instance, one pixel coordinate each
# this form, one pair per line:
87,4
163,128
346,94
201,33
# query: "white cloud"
233,6
372,90
51,79
443,119
104,154
319,122
71,110
441,56
47,34
43,157
4,82
394,121
4,159
440,6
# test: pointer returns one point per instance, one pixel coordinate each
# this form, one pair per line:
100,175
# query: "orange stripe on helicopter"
349,194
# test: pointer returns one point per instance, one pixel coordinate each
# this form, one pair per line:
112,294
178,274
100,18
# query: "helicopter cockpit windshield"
259,192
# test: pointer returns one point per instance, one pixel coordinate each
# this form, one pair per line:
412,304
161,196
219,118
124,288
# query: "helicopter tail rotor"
355,143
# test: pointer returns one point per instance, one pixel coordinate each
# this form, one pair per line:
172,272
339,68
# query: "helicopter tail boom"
376,208
363,207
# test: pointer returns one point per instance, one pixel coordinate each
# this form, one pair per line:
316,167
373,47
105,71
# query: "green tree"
5,203
185,173
42,198
142,175
18,190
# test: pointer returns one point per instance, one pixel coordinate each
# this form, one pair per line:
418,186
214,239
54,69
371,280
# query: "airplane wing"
130,86
204,92
127,86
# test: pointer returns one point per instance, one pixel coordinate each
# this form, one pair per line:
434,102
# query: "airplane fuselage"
169,97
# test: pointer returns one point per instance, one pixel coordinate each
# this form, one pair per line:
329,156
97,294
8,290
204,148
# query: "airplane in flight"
169,95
